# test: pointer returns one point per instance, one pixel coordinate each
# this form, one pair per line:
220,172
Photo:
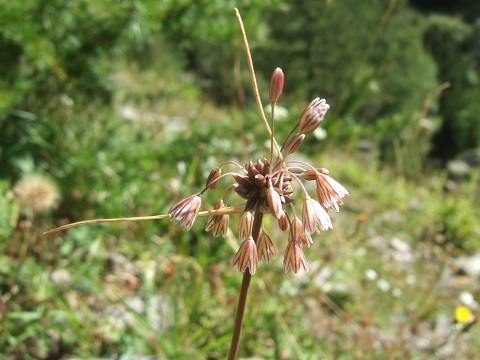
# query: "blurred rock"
458,169
471,157
366,146
470,265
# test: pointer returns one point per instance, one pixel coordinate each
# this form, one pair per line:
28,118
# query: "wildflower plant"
271,186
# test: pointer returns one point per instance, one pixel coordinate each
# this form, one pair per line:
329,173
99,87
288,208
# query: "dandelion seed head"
38,193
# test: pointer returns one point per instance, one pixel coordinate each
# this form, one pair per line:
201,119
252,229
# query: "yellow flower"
464,315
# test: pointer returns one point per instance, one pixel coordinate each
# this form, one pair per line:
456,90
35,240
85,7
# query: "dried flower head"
38,193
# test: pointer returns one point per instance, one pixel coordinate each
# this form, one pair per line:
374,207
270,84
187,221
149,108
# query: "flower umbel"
267,186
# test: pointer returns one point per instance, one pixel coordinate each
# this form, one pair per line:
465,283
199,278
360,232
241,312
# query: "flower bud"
313,174
212,181
283,222
276,85
298,232
313,115
294,143
274,202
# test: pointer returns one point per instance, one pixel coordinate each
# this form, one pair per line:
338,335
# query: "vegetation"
125,107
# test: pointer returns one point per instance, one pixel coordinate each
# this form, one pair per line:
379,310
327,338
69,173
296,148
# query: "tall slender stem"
254,83
242,299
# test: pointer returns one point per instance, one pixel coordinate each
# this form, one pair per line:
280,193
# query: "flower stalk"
242,298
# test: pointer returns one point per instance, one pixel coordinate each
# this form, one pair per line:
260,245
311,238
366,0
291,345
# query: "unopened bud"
274,202
276,85
313,115
212,180
283,222
312,174
294,143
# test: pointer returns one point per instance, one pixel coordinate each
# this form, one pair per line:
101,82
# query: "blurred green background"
120,108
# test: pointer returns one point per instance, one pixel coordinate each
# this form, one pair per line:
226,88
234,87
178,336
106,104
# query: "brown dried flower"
219,223
247,256
265,247
185,211
314,215
294,257
245,226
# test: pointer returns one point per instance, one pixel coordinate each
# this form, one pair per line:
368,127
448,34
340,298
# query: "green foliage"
454,45
384,68
8,211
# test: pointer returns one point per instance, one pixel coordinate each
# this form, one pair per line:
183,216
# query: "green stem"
242,299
